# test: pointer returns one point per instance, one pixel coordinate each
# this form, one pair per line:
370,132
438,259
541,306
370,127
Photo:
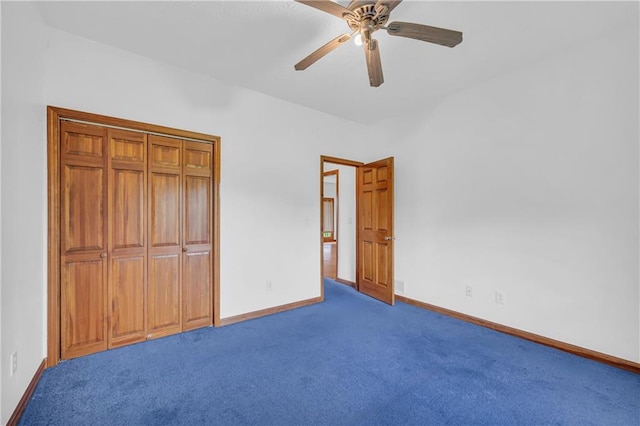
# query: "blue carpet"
349,361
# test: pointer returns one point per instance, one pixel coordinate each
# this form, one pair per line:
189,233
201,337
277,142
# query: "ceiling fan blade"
319,53
374,66
327,6
435,35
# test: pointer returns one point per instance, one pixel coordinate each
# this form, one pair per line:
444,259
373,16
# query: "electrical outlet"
469,291
13,364
268,286
398,287
500,298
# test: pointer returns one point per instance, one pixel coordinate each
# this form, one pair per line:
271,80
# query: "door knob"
103,255
387,238
184,249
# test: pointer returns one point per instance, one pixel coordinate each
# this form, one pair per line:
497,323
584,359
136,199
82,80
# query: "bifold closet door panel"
164,315
127,236
197,292
83,245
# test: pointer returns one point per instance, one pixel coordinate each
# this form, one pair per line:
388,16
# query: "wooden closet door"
197,257
83,245
165,237
127,162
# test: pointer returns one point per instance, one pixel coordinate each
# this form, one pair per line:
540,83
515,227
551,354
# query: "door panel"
165,155
367,260
126,146
197,289
165,210
197,297
164,295
127,236
82,142
83,260
128,212
165,237
375,236
127,301
82,208
83,304
197,210
197,157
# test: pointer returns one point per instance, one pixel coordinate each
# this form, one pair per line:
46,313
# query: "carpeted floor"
351,361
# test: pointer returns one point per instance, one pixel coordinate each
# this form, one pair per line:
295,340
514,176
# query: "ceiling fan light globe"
358,39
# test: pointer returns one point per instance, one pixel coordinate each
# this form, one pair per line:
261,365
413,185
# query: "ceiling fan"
366,17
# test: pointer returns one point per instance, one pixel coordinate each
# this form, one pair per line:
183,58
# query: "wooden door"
197,260
164,314
375,233
83,243
328,215
132,232
127,243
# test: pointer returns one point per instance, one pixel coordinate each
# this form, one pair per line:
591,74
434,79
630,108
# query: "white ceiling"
254,44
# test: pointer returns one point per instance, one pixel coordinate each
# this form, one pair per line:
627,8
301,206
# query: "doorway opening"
356,236
338,222
330,202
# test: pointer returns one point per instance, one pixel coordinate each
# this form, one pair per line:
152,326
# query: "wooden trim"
130,124
340,161
357,223
53,238
536,338
54,115
321,228
269,311
28,393
345,282
217,150
336,214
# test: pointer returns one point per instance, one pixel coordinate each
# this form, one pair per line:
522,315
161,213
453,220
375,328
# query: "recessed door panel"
382,262
83,297
197,210
197,298
127,214
197,159
382,217
127,300
165,156
165,282
78,143
165,209
367,206
82,208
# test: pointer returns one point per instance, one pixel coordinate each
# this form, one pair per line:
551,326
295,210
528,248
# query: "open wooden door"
375,233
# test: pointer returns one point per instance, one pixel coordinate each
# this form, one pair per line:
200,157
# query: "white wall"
528,184
346,220
270,215
1,309
23,194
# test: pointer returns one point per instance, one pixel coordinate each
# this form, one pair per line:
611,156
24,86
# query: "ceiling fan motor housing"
376,14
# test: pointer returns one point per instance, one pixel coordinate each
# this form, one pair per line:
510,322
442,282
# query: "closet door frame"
55,115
